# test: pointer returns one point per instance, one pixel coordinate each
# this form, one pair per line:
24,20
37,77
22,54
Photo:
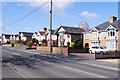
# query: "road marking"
106,67
11,53
70,68
74,68
84,72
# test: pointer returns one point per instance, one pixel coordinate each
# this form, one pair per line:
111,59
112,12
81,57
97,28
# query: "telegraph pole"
51,26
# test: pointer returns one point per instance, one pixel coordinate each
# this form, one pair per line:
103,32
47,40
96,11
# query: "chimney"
45,29
112,19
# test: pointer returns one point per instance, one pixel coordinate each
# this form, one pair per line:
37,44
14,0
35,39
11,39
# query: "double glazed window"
111,32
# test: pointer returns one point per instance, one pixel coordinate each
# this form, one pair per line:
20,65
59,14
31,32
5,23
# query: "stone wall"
56,50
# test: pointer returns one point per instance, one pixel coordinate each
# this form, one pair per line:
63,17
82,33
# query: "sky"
64,14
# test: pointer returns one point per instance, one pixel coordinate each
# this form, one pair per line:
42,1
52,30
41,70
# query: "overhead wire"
26,15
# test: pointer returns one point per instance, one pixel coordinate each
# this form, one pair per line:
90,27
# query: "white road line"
106,67
13,68
77,69
85,72
70,68
11,53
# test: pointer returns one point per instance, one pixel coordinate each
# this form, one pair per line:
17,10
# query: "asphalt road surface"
29,64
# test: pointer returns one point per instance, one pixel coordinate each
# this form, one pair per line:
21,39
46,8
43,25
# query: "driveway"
84,56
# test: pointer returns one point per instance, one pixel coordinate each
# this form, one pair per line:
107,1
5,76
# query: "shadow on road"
31,60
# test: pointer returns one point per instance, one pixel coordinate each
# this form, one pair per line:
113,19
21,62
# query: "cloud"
59,4
89,16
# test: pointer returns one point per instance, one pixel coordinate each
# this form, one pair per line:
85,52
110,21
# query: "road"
29,64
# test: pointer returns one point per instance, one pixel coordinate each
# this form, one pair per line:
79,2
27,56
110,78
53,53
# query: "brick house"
106,34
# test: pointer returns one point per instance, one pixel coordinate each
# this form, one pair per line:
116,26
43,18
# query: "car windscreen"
101,48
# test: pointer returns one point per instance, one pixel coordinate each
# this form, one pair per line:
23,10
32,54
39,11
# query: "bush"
78,44
72,44
44,42
24,42
29,43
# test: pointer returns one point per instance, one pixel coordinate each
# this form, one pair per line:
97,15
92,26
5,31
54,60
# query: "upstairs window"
111,32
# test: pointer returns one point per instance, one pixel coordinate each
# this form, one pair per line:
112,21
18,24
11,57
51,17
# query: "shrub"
44,42
72,44
29,43
78,44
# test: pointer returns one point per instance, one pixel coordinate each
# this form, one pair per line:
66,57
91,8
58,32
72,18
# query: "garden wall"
75,50
107,56
56,50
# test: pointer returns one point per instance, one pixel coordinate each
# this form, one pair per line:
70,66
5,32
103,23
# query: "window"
111,45
94,34
68,35
111,32
101,47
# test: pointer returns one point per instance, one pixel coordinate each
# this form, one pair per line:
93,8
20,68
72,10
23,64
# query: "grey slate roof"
52,31
27,34
71,30
105,25
7,35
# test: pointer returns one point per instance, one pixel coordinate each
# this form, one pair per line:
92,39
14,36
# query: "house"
106,35
66,35
40,36
7,38
44,35
54,37
25,36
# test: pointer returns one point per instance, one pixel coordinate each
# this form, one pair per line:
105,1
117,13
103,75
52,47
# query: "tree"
84,25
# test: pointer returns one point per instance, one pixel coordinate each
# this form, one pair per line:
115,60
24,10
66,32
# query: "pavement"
32,64
115,61
91,56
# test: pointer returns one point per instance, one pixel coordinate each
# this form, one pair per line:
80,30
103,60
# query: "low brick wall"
20,46
56,50
6,45
74,50
61,50
107,56
43,49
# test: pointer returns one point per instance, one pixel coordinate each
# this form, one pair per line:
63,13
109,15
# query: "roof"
71,30
105,25
7,35
42,32
52,31
27,34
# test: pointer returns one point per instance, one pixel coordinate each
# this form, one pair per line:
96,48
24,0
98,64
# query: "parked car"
34,46
97,49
